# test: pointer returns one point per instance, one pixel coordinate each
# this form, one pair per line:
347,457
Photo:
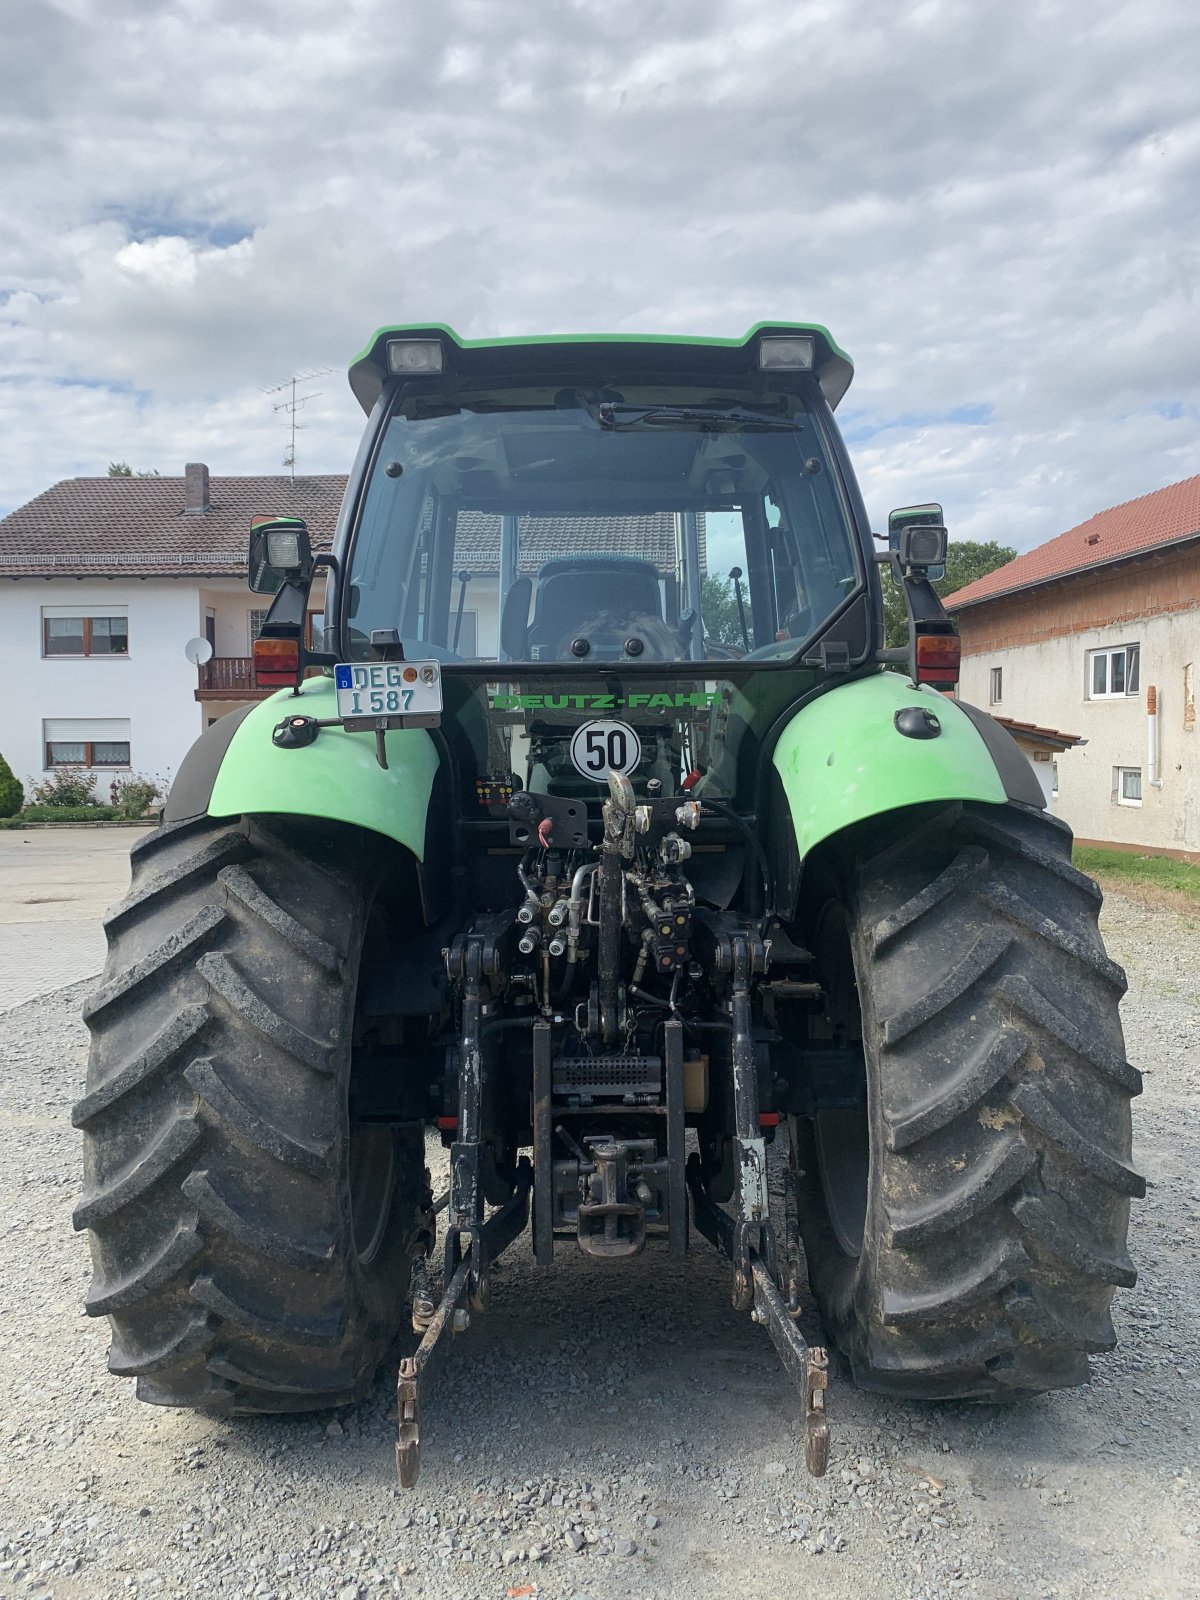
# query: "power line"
292,405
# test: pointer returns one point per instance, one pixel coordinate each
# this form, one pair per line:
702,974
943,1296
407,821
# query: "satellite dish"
198,651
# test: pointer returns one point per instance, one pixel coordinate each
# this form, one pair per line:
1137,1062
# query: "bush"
66,786
61,813
133,796
12,792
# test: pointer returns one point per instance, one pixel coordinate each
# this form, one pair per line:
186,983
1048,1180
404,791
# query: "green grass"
1141,872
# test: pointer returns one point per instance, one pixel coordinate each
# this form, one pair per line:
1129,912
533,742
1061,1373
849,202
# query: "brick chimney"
195,489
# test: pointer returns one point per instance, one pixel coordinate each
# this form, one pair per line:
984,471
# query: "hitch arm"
418,1370
807,1365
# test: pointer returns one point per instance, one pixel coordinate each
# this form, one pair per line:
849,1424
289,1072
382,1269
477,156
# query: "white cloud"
994,207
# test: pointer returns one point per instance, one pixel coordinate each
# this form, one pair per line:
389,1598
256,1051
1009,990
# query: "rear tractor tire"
250,1244
965,1223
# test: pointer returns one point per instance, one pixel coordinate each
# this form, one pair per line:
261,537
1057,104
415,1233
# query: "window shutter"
90,730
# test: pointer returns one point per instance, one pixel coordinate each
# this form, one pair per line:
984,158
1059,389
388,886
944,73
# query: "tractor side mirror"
280,552
918,537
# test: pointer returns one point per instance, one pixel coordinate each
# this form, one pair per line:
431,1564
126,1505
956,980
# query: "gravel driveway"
604,1434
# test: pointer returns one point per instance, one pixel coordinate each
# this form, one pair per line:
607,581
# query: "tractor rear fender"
234,769
843,757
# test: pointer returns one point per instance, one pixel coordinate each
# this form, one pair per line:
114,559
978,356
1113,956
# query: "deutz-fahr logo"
682,700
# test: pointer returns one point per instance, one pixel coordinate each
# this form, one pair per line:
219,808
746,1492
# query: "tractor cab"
640,545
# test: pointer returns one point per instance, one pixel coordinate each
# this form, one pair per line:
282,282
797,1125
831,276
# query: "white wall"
154,686
232,602
1046,683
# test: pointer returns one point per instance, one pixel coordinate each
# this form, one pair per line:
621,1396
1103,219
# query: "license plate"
391,689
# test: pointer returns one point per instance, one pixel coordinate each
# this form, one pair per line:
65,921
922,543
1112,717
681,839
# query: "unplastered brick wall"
1158,586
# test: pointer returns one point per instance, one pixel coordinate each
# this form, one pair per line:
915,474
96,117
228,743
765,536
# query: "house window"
997,687
257,618
1127,785
1113,674
91,742
1054,780
76,631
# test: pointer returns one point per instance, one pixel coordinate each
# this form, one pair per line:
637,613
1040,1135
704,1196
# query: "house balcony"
232,678
229,678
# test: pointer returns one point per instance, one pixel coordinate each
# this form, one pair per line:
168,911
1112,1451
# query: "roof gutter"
1075,572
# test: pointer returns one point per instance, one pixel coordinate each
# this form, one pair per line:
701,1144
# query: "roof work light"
410,358
793,353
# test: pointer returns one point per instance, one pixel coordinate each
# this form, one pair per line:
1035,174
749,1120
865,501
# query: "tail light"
938,657
276,663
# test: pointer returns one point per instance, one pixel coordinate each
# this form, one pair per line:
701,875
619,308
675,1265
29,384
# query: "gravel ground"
616,1433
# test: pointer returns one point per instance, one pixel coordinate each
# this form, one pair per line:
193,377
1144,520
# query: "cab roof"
583,357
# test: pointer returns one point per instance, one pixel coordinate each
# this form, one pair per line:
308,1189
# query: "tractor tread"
173,1038
950,1299
951,986
176,948
1064,1237
191,1337
979,1074
1027,998
1041,1113
1004,1165
965,866
167,834
998,1212
1002,830
310,1156
243,887
232,1212
315,1385
216,1126
1038,1318
224,979
1017,909
233,1305
184,1244
231,845
168,1146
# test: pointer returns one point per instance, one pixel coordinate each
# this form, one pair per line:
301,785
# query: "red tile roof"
650,535
1036,735
1165,517
137,526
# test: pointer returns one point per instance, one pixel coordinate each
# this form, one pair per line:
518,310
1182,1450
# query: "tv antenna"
292,405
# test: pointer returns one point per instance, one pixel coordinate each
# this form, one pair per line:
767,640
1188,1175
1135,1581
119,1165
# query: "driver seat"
574,591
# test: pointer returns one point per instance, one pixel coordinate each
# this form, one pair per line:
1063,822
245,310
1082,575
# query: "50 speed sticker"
601,747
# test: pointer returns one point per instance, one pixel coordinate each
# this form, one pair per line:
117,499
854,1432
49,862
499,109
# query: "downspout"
1152,776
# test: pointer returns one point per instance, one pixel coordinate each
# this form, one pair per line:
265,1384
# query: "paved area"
55,884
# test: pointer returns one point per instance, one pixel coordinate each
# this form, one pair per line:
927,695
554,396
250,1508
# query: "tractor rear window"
570,530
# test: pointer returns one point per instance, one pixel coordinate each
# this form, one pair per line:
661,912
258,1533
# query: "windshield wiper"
715,420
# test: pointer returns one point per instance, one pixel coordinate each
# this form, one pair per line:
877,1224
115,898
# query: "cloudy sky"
994,205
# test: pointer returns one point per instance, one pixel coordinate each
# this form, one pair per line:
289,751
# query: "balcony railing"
232,678
227,677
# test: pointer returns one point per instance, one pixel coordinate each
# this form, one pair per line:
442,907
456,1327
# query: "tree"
966,560
718,607
12,794
122,469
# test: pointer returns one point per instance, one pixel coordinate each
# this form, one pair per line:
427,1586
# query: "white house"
1098,631
103,581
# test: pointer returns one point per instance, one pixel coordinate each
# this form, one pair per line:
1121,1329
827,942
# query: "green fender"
842,759
337,776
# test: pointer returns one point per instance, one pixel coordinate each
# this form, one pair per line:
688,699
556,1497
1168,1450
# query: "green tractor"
603,834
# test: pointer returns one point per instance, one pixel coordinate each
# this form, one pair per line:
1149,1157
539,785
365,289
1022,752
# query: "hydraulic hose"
768,907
